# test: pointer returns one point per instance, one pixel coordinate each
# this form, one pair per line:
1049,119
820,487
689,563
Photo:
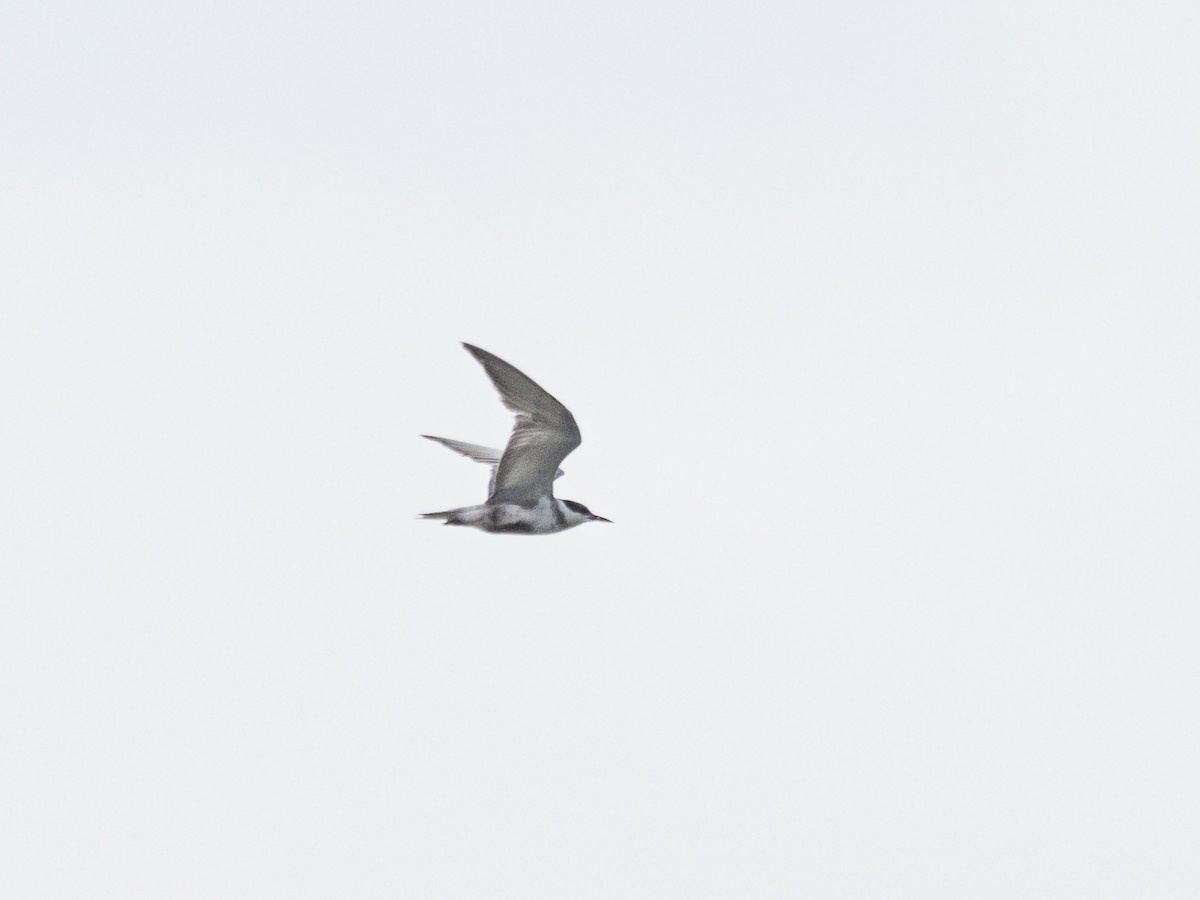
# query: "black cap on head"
584,511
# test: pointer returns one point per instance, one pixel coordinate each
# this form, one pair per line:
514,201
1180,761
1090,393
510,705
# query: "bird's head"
585,514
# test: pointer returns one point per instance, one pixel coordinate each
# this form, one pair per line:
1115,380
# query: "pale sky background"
881,323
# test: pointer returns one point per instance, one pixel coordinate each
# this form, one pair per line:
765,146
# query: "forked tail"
450,516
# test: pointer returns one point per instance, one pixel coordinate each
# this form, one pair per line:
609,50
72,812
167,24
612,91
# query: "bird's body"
546,516
521,493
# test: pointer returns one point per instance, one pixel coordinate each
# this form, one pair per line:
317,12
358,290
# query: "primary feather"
545,432
486,455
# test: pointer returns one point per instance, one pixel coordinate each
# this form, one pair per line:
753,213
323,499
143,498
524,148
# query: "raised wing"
543,436
485,455
480,454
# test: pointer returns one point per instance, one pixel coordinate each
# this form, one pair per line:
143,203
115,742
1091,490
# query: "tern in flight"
521,493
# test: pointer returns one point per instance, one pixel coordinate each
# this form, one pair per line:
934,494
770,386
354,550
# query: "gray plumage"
486,455
543,436
521,491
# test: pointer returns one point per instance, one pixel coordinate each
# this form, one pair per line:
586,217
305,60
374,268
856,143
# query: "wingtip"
479,353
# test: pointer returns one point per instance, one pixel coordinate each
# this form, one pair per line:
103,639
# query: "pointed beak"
601,519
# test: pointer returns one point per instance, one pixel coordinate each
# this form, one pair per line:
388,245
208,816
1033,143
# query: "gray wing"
485,455
480,454
543,436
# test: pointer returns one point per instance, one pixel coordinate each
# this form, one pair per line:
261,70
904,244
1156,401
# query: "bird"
521,491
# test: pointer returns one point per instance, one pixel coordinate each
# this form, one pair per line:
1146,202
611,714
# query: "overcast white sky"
880,321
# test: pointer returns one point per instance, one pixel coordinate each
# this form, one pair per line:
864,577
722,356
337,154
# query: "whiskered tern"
521,493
